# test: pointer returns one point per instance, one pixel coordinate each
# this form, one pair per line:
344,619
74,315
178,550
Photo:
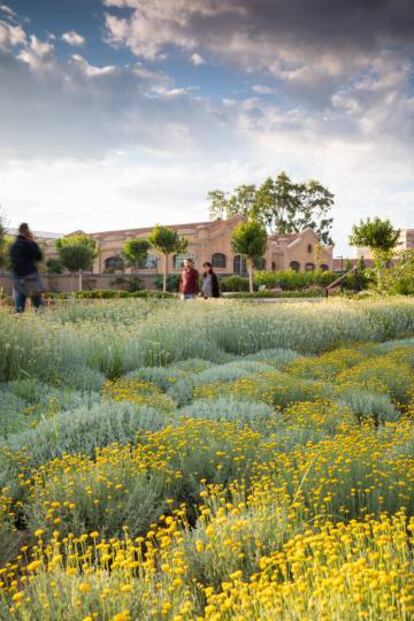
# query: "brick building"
211,241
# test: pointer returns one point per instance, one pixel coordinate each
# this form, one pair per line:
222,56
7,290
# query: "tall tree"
282,205
380,237
167,241
278,204
77,253
250,240
315,202
135,252
242,201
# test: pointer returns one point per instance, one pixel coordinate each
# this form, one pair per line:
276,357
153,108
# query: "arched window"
150,263
178,260
309,267
239,265
324,267
218,259
310,248
114,264
295,266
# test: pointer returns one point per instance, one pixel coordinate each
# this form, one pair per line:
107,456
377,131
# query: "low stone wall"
67,282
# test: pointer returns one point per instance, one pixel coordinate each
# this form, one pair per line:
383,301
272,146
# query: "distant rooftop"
39,234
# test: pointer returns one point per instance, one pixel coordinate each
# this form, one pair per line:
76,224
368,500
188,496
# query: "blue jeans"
20,299
188,296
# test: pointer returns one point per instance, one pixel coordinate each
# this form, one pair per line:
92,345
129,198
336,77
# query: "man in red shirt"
189,281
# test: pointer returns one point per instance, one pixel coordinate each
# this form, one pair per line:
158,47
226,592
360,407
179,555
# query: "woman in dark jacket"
24,255
210,287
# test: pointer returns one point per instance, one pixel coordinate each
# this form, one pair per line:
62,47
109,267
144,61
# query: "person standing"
25,253
210,287
189,281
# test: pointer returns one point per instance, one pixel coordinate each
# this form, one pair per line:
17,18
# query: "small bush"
173,282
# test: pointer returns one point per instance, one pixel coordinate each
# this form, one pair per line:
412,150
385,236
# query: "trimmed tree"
77,253
380,237
3,241
250,240
135,252
167,242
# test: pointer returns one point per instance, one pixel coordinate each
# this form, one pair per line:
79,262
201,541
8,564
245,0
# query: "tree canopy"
377,235
135,252
250,240
3,241
167,241
381,238
77,253
282,205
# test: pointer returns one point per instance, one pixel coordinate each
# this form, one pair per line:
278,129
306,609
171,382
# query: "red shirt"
189,281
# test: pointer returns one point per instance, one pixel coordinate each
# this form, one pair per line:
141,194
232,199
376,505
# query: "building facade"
211,241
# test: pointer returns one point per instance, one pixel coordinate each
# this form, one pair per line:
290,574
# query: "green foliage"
399,279
378,235
3,240
54,266
167,241
234,283
249,240
281,204
173,281
77,252
290,279
135,252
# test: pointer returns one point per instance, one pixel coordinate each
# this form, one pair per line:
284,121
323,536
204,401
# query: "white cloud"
262,90
38,54
90,70
11,36
73,38
197,59
4,8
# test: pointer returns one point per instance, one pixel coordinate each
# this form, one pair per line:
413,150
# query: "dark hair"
24,228
210,267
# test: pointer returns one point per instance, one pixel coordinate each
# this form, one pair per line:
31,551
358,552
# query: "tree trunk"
80,281
250,270
164,278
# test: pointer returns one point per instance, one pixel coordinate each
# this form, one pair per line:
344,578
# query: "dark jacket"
24,254
189,282
215,284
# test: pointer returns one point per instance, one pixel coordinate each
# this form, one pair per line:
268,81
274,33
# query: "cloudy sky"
122,113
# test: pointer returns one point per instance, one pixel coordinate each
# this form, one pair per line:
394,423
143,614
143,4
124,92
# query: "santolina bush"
207,461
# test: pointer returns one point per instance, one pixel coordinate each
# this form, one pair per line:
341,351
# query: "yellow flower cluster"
307,514
360,570
138,391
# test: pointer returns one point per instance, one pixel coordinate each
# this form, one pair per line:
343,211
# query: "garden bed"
174,461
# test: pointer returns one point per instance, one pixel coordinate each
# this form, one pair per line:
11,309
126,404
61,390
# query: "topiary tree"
3,241
250,240
380,237
167,242
54,267
135,252
77,253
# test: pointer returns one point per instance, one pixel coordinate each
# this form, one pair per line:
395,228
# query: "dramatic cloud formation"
170,98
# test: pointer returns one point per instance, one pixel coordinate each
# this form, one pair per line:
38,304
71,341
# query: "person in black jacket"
210,287
24,255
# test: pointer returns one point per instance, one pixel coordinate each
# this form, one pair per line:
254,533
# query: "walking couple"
189,281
